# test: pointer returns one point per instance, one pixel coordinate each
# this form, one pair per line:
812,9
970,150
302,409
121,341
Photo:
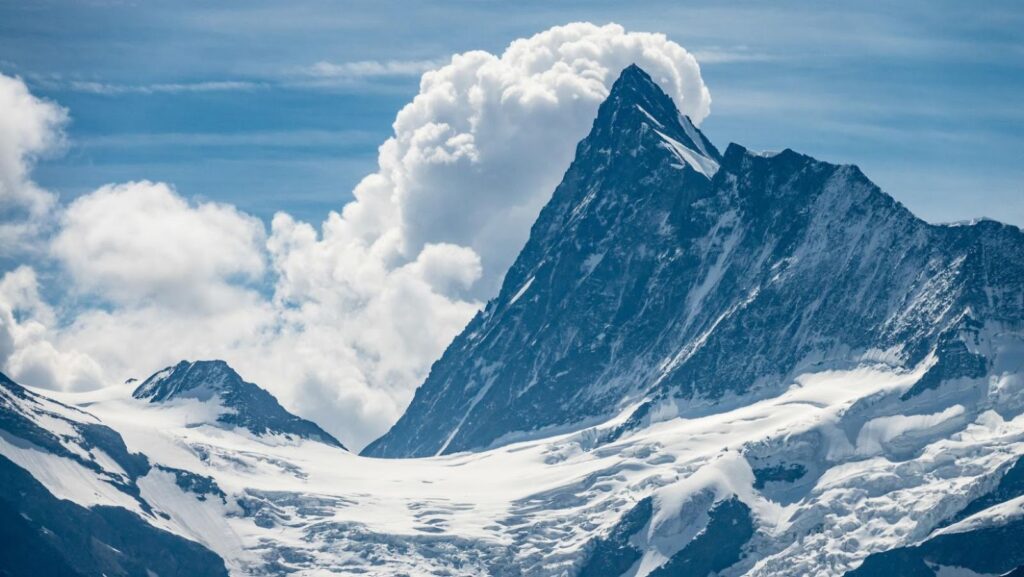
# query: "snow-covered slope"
734,364
76,501
808,482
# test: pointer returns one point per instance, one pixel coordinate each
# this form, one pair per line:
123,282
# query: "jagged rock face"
245,405
666,272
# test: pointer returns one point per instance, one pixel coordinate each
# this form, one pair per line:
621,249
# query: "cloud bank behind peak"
342,320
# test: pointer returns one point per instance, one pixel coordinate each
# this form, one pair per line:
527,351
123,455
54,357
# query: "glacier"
275,504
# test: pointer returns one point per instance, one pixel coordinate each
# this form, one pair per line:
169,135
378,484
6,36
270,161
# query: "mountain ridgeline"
664,276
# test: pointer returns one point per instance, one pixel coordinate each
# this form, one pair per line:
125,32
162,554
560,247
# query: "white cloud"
140,241
358,331
29,128
478,151
147,277
26,349
342,322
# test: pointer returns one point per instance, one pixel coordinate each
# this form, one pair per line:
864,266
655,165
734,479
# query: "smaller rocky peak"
244,404
199,379
635,87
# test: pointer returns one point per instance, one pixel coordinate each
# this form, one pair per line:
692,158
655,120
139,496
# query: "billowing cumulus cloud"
29,127
140,241
341,321
473,158
27,350
169,278
478,151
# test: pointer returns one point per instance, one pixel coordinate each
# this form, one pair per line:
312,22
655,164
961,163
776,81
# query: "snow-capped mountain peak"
645,281
241,404
199,379
637,107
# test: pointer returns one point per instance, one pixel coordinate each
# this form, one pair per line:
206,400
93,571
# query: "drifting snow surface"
532,508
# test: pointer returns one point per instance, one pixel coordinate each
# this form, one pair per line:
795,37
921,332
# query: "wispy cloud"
730,54
323,73
271,138
370,68
163,88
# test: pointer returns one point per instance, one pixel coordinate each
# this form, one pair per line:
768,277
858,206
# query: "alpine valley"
701,363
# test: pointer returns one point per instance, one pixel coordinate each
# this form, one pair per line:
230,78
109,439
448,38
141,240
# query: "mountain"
730,364
242,404
664,275
90,519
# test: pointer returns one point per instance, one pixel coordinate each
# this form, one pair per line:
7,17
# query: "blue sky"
224,102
